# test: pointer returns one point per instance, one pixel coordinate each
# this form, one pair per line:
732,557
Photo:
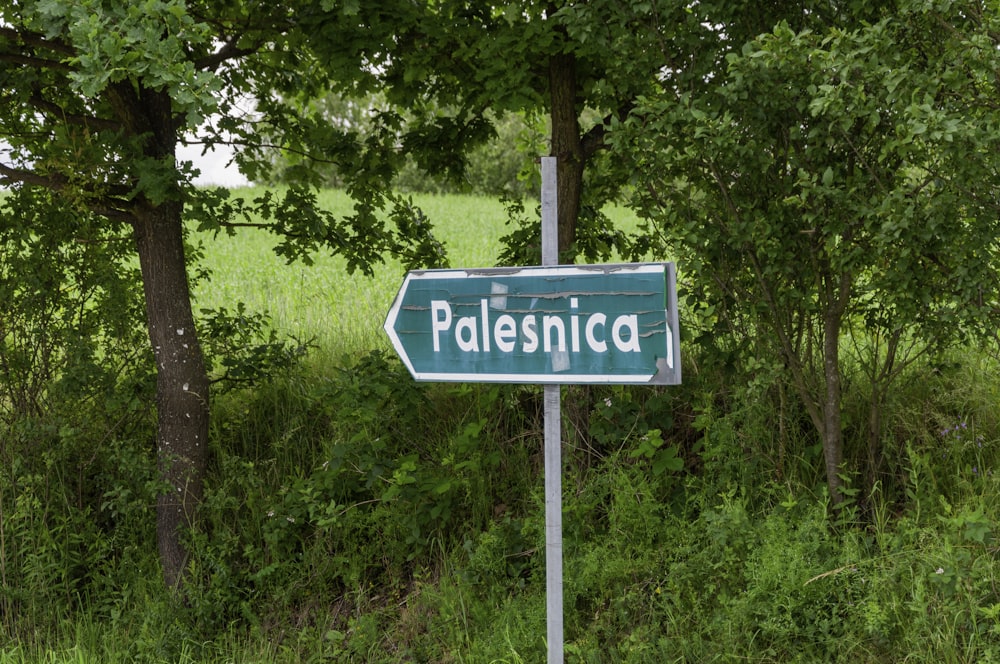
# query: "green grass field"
344,312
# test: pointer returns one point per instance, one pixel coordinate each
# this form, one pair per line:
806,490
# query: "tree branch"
229,51
57,183
243,224
10,175
34,62
72,118
23,45
593,140
266,145
36,40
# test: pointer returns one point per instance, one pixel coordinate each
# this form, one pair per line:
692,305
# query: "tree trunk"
181,380
181,377
833,446
567,145
874,437
832,432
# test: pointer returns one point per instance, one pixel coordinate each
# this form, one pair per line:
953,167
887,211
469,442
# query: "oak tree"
95,98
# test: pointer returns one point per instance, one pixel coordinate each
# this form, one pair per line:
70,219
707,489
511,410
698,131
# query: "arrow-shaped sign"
565,324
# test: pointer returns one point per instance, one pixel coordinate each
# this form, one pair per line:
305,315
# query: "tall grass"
344,312
341,312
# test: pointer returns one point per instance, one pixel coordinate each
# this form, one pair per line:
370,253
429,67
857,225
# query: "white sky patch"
215,165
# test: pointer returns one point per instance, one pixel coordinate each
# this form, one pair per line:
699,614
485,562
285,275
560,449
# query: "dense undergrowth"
352,514
359,516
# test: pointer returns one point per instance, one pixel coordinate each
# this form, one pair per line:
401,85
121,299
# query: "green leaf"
667,460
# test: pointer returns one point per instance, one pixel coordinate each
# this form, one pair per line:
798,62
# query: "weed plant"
353,515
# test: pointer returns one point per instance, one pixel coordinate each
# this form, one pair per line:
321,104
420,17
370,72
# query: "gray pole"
553,442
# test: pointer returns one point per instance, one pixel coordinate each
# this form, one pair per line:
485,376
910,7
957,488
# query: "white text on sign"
476,334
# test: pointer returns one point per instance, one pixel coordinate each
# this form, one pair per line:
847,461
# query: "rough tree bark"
567,146
571,148
181,377
181,381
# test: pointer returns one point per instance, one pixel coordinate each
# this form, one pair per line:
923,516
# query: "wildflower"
939,570
607,401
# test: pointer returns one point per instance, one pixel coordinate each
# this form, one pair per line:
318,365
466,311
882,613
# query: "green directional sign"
563,325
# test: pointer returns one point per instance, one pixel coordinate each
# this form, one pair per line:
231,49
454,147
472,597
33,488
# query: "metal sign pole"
553,441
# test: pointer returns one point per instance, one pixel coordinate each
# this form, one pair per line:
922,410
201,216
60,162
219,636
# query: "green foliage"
304,227
95,108
70,308
366,479
500,164
74,414
116,43
814,195
246,355
597,238
354,515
